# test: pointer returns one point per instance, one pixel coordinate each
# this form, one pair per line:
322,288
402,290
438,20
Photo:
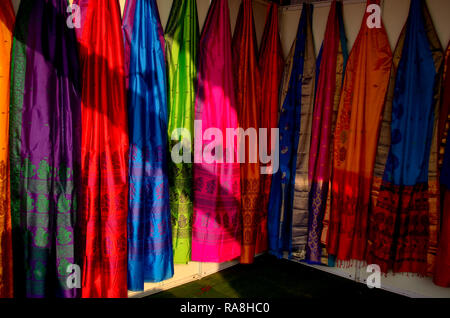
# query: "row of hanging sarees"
96,102
93,113
359,148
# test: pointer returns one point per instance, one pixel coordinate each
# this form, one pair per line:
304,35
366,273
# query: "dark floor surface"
269,277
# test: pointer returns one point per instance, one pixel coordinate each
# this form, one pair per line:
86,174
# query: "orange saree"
248,95
6,28
356,136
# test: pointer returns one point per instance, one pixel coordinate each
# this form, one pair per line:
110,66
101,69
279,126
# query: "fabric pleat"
328,90
182,39
399,232
355,140
216,221
271,64
7,18
45,119
150,255
283,181
248,100
104,151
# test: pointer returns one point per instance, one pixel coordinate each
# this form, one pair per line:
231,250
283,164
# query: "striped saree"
182,37
216,225
150,254
248,101
399,233
355,140
283,181
6,270
327,98
45,118
271,66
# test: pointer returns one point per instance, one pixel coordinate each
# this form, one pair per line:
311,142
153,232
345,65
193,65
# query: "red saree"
248,95
330,74
104,152
442,267
356,136
271,65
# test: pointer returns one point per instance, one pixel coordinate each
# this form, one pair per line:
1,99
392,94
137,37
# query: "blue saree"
283,181
150,256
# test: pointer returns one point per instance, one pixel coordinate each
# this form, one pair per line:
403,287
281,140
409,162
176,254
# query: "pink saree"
216,225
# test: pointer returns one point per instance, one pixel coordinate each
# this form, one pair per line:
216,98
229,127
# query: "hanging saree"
271,65
399,229
434,196
355,140
216,223
442,268
248,100
6,30
329,82
182,36
104,152
150,255
44,149
302,186
283,181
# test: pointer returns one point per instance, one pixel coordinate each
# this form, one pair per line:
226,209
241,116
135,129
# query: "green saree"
182,36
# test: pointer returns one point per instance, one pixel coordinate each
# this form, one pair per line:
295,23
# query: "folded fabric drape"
216,224
104,152
150,255
44,149
7,18
271,64
355,140
332,66
182,38
442,268
283,181
400,223
247,78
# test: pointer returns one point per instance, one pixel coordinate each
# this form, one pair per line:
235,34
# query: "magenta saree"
216,223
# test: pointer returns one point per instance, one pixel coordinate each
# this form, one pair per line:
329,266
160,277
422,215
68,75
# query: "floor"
269,277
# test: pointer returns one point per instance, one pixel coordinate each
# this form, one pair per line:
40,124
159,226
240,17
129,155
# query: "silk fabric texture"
355,140
105,144
216,222
248,101
7,18
182,39
399,234
283,181
271,64
150,255
44,149
329,83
